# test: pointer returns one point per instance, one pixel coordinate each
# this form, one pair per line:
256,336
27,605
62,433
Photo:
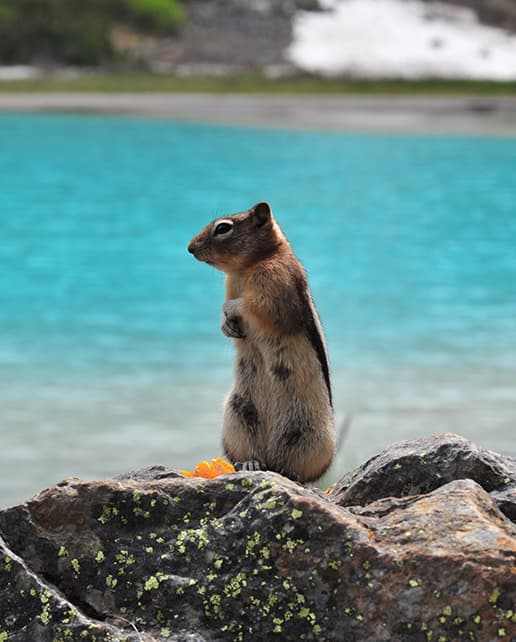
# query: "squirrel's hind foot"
254,464
249,465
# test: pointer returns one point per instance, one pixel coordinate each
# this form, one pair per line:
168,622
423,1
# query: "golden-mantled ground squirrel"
279,414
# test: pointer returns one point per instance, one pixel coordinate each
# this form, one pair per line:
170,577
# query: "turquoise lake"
111,356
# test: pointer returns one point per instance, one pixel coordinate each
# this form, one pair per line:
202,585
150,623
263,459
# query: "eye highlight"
223,228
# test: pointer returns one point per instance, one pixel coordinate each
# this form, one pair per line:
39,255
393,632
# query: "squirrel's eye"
223,228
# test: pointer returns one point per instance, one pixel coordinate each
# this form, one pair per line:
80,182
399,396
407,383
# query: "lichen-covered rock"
254,556
422,465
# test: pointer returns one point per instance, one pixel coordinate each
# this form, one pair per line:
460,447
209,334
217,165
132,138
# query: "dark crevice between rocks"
75,599
47,583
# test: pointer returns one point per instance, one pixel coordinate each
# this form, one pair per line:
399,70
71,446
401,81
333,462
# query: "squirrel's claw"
250,465
232,327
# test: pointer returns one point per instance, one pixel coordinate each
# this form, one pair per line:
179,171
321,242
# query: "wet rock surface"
388,554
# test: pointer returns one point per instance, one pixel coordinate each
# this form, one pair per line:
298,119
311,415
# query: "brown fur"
279,411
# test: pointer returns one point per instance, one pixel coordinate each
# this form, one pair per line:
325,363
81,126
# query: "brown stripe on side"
314,333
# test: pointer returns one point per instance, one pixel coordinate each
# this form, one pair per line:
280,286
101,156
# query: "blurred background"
383,132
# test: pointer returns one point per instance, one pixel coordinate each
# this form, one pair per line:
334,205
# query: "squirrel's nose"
191,247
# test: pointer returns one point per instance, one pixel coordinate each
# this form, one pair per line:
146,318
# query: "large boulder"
412,546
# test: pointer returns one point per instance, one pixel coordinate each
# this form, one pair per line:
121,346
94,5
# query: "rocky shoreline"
495,115
417,544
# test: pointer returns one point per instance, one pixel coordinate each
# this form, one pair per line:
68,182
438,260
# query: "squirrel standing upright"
279,414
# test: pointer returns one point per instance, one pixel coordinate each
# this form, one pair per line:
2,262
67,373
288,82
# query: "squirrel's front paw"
233,327
232,323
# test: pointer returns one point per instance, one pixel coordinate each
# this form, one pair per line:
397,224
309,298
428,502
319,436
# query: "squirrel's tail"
342,431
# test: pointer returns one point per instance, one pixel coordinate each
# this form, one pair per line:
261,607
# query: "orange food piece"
210,470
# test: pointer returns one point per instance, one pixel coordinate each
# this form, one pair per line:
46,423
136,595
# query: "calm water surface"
110,351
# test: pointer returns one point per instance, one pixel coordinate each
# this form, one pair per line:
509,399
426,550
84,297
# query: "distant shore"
479,115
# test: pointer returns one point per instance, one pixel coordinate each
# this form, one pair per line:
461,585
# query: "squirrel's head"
234,243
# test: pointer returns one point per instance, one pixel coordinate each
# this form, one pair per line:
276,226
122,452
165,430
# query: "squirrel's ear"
261,214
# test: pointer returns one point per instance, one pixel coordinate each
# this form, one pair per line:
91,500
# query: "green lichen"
71,614
290,545
75,565
62,552
151,583
111,581
7,563
108,512
45,615
447,610
296,513
252,541
502,632
215,600
100,557
415,582
234,587
493,598
277,628
3,636
124,557
265,552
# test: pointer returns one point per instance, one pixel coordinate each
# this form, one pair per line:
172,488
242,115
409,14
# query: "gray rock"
422,465
255,556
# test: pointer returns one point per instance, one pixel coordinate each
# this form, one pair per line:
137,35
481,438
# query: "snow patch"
407,39
18,72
